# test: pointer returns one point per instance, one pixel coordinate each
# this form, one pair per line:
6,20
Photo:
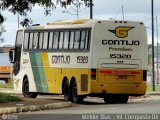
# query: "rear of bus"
119,59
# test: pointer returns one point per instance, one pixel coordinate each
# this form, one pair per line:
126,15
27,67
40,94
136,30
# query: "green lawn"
9,85
149,88
6,98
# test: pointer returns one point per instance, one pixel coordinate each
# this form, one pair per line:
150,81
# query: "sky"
135,10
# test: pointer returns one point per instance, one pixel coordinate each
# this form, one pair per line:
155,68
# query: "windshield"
19,38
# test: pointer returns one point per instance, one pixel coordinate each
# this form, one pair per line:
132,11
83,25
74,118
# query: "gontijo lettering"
121,42
60,59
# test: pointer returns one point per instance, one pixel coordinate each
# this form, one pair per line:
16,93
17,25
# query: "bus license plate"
122,77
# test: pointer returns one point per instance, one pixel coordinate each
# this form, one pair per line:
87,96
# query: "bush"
6,98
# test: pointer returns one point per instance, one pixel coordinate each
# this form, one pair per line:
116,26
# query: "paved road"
97,107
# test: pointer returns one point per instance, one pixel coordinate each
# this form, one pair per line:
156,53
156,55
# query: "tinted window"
77,40
50,40
35,40
26,36
55,42
66,40
19,37
45,40
83,39
40,40
71,40
30,40
61,40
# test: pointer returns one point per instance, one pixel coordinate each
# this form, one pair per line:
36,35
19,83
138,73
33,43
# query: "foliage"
2,30
149,46
26,22
23,6
149,88
6,98
149,56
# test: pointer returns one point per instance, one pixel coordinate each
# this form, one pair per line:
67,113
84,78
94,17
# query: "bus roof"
71,23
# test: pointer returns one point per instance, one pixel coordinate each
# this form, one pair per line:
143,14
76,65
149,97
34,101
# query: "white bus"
80,58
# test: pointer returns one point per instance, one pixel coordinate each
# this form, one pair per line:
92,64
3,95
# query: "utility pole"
157,47
77,7
91,9
152,16
18,20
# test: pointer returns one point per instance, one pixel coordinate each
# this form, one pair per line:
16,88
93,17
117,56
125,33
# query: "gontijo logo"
121,31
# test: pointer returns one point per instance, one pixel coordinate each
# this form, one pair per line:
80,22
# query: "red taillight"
93,74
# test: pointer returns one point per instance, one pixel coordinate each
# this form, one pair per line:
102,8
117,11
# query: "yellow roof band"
80,21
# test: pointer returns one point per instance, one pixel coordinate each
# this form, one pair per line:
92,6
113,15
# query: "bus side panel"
81,75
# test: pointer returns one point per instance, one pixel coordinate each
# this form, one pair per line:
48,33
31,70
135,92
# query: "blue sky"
137,10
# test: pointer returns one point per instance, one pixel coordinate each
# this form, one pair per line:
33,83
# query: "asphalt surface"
96,109
61,104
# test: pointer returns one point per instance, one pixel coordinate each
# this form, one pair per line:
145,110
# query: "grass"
7,98
149,88
8,85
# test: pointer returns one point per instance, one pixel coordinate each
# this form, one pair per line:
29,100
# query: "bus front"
119,59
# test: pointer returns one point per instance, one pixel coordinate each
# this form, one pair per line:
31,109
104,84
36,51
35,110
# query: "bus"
80,58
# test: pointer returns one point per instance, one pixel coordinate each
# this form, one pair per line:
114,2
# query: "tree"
149,55
23,6
26,22
2,30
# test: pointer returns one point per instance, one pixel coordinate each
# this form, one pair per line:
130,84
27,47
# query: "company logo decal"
121,31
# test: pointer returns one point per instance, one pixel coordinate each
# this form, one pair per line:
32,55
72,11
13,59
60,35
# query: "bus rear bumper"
129,89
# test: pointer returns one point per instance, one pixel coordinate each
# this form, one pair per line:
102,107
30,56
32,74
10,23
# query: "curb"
35,108
154,93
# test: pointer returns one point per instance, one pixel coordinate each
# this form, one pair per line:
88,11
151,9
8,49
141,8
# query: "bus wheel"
66,91
113,99
123,98
75,98
25,90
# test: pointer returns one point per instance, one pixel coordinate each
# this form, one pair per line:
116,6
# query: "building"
5,65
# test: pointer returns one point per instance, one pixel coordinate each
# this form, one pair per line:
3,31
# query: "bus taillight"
93,74
144,75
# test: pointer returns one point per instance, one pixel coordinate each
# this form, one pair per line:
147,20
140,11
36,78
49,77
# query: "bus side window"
55,42
30,40
45,40
40,40
83,39
77,40
61,40
66,40
71,40
87,37
50,40
25,44
35,41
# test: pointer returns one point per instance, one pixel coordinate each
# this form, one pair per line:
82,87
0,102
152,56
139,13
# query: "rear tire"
114,99
25,90
66,91
76,98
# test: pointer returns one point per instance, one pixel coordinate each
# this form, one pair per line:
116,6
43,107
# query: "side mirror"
11,56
